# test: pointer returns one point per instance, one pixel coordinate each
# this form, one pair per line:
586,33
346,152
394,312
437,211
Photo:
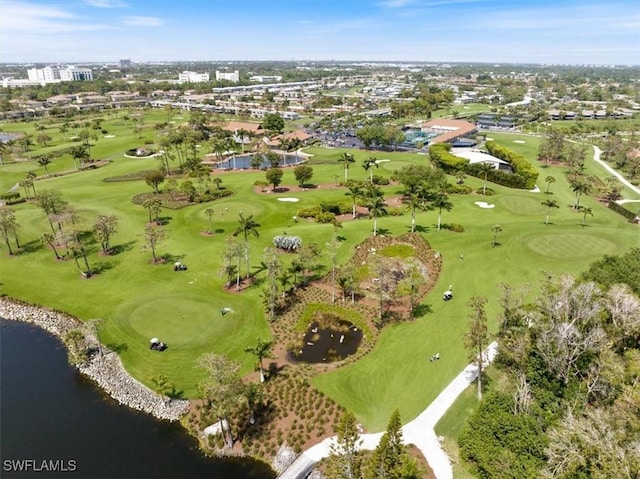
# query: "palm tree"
162,386
51,241
585,211
345,159
209,212
247,226
580,187
496,229
260,351
441,202
484,168
44,160
368,166
355,192
416,201
549,180
549,204
376,205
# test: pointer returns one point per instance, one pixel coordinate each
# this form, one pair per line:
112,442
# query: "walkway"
623,180
419,431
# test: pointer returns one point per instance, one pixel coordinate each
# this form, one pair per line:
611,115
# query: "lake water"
5,137
49,412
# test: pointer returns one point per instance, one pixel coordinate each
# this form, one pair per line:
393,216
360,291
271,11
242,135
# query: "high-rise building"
125,63
229,76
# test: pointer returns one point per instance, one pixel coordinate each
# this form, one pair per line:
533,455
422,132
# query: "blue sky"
542,31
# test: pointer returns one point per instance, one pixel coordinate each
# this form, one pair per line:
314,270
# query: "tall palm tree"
441,202
580,187
368,166
376,205
549,204
417,200
247,226
484,169
260,351
346,158
355,192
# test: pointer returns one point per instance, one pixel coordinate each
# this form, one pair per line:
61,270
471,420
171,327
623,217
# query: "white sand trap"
381,161
489,138
465,107
535,190
289,200
483,204
109,136
519,141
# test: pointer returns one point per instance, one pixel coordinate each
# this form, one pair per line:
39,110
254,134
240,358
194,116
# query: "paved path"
596,157
419,431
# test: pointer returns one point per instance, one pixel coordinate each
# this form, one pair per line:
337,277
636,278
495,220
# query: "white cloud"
106,3
21,17
139,21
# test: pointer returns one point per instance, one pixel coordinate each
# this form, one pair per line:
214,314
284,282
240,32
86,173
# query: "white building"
58,74
229,76
193,77
266,78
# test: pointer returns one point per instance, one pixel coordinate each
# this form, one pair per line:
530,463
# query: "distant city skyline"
481,31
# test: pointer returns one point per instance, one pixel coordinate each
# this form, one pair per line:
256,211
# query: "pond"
50,412
326,341
243,162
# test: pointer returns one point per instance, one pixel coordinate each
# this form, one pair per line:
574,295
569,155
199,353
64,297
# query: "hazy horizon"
570,32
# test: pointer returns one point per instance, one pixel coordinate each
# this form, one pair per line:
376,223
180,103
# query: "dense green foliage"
500,443
614,269
524,174
441,156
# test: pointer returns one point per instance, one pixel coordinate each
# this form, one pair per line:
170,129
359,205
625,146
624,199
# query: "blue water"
51,412
5,137
243,162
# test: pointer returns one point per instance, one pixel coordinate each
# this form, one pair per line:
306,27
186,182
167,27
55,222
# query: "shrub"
455,227
396,211
459,189
325,217
10,198
309,212
330,208
380,180
287,243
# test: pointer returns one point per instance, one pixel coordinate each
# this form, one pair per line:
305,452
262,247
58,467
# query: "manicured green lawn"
137,300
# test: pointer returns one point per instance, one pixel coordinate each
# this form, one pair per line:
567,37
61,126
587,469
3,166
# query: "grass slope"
137,300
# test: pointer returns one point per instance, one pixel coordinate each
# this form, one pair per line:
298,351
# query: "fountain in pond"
326,341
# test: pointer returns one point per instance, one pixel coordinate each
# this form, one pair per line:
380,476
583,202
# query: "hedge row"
441,156
524,175
630,215
523,171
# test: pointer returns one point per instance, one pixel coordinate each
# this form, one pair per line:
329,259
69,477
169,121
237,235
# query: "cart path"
418,432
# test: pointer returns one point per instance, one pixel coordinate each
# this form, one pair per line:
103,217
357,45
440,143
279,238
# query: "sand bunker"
483,204
289,200
109,136
519,141
489,138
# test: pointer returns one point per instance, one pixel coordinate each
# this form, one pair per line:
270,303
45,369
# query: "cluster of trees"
380,135
389,460
567,402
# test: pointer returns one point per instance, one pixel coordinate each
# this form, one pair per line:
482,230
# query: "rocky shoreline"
107,371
